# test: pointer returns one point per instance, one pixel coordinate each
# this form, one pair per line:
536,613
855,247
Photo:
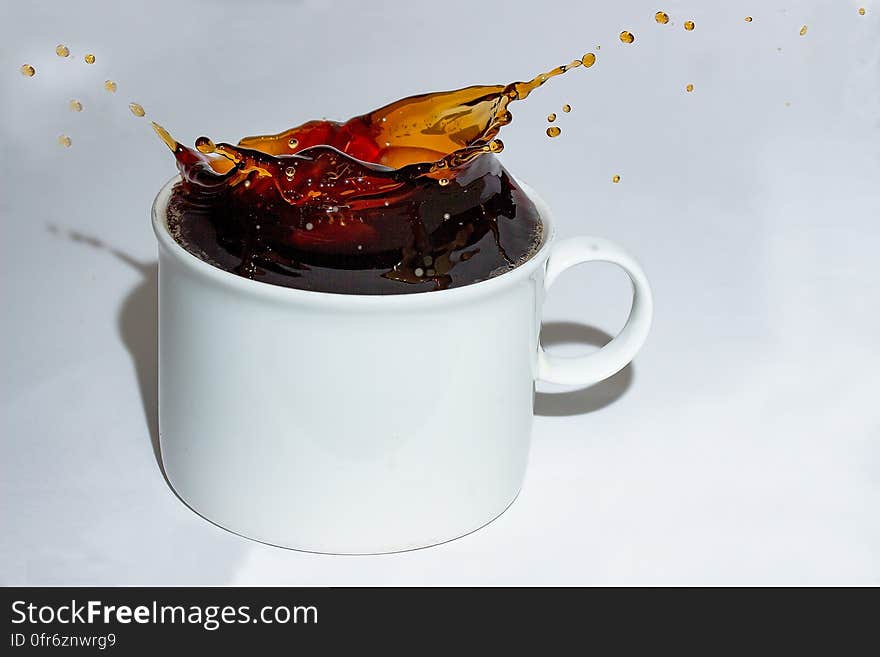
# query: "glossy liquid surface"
407,198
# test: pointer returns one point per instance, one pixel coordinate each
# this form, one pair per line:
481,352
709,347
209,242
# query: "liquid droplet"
551,117
110,86
615,178
689,88
566,108
661,17
166,137
861,11
496,145
76,106
598,47
62,51
627,37
89,59
748,19
443,182
293,143
553,131
589,59
205,145
689,25
27,70
803,31
290,172
64,140
136,109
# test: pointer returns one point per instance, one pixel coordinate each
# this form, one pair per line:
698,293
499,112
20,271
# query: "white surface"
741,447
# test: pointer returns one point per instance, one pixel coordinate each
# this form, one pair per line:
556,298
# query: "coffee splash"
409,193
431,135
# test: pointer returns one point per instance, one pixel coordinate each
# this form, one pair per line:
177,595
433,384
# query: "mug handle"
614,356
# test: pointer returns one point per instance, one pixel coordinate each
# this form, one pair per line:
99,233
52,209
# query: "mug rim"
247,286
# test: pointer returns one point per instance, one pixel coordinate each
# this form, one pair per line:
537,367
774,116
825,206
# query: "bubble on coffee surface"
136,109
689,25
554,131
627,37
62,51
803,31
89,58
27,70
110,85
64,140
75,106
661,17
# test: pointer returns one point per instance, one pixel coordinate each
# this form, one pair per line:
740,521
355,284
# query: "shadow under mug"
361,423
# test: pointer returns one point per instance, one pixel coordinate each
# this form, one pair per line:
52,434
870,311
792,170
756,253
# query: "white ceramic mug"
359,423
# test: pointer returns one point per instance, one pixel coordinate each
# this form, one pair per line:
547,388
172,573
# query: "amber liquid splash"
407,198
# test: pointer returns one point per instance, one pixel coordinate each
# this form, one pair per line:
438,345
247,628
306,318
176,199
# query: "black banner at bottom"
131,620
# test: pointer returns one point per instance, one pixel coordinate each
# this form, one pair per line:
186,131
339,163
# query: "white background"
741,447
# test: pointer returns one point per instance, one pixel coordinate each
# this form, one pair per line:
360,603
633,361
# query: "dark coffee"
408,198
490,227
